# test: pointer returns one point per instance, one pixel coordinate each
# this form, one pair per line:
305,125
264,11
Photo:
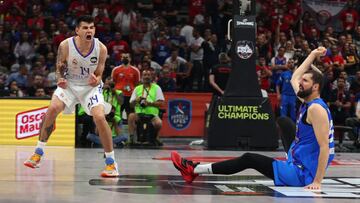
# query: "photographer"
147,99
115,98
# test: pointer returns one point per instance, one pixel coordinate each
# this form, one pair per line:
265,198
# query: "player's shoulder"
65,42
101,45
316,108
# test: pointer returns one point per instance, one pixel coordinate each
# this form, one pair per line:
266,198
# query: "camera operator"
147,99
115,98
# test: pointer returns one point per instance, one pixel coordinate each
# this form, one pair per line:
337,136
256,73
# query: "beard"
304,93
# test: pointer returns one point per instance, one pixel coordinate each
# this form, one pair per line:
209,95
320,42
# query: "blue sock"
109,161
39,151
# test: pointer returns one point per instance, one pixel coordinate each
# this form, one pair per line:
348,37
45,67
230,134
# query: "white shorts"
86,95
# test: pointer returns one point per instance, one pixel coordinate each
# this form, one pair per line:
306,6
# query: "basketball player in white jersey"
79,68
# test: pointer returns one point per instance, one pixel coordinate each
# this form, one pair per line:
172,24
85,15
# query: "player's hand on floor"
62,82
313,186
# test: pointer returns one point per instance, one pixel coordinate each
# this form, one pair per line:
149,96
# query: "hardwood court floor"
72,175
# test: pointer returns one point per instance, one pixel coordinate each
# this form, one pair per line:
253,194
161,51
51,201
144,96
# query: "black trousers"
261,163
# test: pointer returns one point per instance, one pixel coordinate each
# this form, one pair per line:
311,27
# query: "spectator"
195,7
178,41
165,81
357,39
37,83
125,21
4,91
180,70
126,77
24,47
340,103
79,8
102,21
354,122
264,73
211,52
40,93
355,84
352,60
344,76
263,47
147,98
7,54
349,17
140,46
170,13
117,47
196,58
285,92
278,65
219,74
187,31
153,65
145,7
21,77
14,90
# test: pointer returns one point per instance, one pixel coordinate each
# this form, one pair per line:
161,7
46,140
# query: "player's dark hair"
317,77
84,18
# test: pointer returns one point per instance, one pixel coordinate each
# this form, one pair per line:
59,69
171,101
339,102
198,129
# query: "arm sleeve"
133,96
159,94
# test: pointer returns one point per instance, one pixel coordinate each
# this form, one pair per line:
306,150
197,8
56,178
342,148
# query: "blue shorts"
288,174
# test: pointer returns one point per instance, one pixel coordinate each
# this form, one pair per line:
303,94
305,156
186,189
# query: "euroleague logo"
244,49
28,122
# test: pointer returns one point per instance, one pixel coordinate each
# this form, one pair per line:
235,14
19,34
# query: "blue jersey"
285,84
301,165
305,149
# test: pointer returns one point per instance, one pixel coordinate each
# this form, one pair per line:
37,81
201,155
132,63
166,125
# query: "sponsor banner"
20,121
185,114
190,121
325,12
28,123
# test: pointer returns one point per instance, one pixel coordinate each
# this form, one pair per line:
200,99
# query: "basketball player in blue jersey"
79,68
310,146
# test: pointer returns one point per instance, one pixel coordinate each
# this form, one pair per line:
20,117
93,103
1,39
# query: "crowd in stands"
180,40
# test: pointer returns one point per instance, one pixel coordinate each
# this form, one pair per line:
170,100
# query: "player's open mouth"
88,37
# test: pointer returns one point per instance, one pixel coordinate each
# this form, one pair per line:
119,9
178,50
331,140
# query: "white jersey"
79,67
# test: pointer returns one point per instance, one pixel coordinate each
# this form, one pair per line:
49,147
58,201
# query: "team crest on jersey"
179,115
244,49
74,62
93,59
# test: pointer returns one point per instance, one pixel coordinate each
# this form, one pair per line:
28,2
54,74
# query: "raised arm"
299,72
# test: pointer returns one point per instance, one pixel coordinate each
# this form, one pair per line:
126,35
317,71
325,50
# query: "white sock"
110,154
41,145
203,169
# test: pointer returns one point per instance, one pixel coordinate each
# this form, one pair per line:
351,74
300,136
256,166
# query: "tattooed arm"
61,64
